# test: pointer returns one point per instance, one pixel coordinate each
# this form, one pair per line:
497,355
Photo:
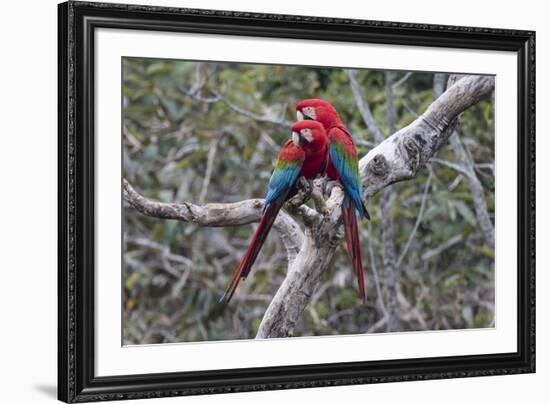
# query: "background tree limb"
466,163
390,270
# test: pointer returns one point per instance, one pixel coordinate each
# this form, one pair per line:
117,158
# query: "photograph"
277,201
252,201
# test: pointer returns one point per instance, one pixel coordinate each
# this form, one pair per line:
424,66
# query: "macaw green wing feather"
344,159
286,173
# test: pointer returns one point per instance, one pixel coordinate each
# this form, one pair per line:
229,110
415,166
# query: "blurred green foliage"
174,272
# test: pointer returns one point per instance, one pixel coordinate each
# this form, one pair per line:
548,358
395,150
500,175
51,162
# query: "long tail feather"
365,211
351,231
253,249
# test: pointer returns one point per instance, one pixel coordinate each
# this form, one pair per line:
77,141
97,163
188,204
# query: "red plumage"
351,231
307,152
253,249
315,151
338,134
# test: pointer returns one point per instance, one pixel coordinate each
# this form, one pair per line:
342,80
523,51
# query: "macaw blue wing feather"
286,173
348,169
282,180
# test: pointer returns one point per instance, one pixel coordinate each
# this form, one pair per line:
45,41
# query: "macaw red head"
310,135
319,110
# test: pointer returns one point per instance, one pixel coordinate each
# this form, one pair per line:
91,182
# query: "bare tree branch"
404,153
418,220
209,168
391,117
317,195
466,163
253,115
442,247
195,93
303,273
218,97
457,167
439,84
478,194
217,215
391,269
402,80
379,299
363,107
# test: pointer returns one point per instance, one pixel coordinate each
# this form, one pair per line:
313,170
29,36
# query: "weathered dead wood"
403,154
218,215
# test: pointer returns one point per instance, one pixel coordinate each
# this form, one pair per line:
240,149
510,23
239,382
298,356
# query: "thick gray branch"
403,154
303,274
217,215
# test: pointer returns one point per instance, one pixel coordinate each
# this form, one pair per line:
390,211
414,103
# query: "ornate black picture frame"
77,24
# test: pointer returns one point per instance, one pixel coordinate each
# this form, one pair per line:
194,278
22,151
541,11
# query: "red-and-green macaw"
342,166
304,155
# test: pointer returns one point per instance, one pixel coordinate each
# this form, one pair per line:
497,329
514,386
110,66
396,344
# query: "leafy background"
209,132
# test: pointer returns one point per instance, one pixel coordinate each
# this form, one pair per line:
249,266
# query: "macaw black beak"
304,140
298,139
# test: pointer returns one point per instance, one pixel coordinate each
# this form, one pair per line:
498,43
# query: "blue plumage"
280,183
348,177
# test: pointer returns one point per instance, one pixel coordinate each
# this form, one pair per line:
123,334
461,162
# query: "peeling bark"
218,215
320,242
403,154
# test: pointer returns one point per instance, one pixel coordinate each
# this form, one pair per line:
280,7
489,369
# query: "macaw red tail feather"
253,249
351,231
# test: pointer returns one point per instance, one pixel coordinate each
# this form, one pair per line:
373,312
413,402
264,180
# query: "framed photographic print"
253,202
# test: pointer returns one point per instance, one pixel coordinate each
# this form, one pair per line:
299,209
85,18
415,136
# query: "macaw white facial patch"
295,139
307,135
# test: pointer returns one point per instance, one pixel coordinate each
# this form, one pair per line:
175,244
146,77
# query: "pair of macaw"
320,144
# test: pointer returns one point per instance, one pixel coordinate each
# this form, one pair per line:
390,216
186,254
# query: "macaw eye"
309,113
